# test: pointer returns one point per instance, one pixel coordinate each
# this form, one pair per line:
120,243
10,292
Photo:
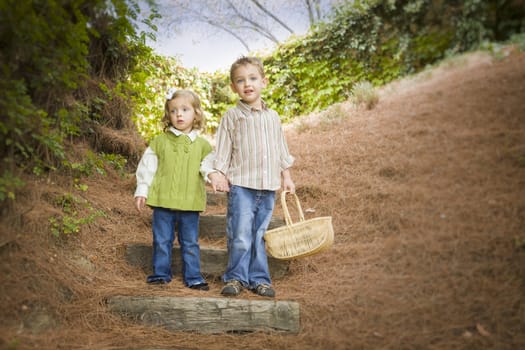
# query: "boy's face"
248,83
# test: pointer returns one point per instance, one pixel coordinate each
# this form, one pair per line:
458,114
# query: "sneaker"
264,290
200,286
232,288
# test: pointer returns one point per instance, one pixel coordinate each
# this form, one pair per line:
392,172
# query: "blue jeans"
248,217
164,223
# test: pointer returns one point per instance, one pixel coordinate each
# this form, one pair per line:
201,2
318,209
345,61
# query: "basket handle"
287,217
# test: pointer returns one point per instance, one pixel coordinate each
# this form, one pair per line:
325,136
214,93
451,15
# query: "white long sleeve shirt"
149,162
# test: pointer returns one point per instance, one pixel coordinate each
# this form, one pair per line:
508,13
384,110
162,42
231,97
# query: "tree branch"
275,18
255,26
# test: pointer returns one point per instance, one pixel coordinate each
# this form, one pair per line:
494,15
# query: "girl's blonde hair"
198,122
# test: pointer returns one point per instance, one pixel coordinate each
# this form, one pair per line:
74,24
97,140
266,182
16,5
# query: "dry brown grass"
427,194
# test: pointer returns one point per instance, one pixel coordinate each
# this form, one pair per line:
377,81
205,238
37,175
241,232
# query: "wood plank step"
209,315
217,198
213,260
214,226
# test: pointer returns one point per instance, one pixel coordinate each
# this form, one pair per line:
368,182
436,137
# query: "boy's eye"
239,81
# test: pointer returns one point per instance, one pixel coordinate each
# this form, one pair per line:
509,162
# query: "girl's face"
181,113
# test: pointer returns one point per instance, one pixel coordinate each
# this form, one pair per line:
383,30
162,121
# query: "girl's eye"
239,81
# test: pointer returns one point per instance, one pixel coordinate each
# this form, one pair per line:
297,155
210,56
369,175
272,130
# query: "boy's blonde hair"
198,122
244,60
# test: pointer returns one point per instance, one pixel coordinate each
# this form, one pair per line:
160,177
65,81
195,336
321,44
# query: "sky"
209,50
207,54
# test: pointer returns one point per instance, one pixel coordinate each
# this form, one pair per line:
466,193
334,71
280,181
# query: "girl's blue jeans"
165,221
248,217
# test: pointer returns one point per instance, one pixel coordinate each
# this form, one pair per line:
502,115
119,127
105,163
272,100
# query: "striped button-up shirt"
251,149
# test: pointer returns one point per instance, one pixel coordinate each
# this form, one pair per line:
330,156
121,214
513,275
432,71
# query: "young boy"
251,157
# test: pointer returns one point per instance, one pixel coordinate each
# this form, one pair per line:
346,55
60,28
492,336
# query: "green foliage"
8,185
95,164
379,41
518,40
73,217
117,161
222,98
152,79
51,51
90,165
44,45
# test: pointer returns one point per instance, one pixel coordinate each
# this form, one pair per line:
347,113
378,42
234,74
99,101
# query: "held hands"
219,182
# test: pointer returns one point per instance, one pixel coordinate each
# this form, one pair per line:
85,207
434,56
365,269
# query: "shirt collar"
246,108
192,134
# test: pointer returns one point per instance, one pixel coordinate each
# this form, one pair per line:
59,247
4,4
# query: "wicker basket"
299,239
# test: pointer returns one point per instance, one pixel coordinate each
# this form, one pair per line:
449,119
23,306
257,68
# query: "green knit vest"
177,184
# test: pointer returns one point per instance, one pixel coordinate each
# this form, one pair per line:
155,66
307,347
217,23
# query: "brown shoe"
265,290
232,288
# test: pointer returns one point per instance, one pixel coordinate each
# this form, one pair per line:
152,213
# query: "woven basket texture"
299,239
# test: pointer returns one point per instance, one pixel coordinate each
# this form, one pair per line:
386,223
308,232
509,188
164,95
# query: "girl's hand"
140,203
219,182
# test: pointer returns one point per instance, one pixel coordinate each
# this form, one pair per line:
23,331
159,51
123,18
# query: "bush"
379,41
363,93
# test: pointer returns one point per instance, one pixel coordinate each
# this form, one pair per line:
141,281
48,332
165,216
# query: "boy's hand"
219,182
140,203
288,185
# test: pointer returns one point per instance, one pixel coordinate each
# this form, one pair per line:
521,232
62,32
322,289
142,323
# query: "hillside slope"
427,194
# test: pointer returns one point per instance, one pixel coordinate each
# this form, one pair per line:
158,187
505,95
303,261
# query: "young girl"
170,180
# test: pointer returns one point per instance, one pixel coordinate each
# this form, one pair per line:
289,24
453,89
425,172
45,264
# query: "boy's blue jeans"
248,217
164,223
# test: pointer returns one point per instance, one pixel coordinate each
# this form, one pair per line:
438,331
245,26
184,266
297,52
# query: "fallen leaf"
482,330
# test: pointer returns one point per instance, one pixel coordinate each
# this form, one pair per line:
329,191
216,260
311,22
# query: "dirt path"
427,193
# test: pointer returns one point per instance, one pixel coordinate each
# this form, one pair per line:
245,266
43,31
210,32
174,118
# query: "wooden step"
213,260
216,199
209,315
214,226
